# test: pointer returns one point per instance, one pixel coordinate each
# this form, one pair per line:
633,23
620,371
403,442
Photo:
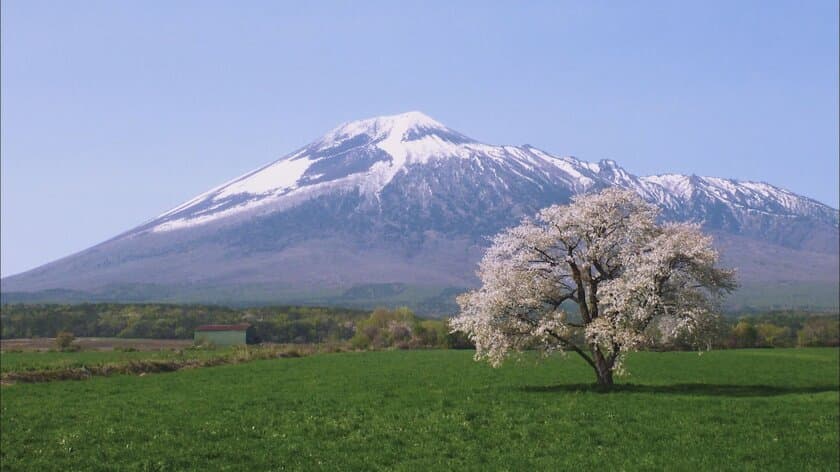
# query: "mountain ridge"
667,190
405,199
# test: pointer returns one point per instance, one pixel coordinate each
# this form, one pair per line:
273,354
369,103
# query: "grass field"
437,410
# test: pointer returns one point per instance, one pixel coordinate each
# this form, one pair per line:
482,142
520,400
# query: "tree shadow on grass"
696,389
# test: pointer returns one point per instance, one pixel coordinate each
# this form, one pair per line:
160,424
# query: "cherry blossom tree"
596,277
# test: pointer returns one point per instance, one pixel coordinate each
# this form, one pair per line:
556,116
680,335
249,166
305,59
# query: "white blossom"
592,277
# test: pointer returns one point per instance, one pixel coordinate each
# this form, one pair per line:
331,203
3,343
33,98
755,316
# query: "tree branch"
547,257
573,347
581,291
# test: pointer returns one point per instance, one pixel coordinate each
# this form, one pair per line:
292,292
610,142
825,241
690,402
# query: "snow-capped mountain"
405,199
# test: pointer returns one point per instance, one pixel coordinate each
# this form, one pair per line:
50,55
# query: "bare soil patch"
95,344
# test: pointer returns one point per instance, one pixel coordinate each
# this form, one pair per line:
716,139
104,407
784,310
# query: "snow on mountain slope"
367,155
364,155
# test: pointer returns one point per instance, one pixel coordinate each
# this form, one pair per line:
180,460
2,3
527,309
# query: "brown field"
95,344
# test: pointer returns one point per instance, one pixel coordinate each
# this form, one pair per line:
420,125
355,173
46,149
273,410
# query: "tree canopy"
605,255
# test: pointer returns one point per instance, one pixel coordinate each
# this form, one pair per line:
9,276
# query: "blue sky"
114,112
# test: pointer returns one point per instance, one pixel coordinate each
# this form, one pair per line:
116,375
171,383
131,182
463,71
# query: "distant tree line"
285,324
780,328
785,329
381,328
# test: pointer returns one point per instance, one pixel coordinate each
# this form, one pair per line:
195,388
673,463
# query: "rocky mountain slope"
405,200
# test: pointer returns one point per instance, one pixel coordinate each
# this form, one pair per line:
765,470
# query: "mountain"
398,209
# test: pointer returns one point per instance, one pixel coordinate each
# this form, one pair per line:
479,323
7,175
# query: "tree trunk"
605,379
603,371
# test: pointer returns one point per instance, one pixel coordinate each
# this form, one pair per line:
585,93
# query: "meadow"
752,409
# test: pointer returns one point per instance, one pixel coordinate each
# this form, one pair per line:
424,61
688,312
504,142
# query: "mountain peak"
414,119
403,127
382,126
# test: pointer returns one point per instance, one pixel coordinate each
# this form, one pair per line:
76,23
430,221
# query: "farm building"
223,335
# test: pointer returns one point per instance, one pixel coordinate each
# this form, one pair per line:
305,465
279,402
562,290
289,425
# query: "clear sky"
115,111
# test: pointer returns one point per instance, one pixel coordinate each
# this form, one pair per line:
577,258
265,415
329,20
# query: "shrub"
822,331
432,333
744,334
360,341
400,331
372,332
64,340
772,335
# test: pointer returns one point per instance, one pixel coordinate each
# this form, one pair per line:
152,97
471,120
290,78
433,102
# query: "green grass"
437,410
